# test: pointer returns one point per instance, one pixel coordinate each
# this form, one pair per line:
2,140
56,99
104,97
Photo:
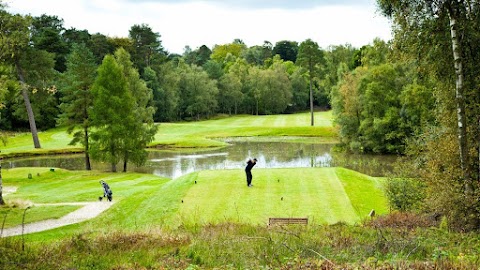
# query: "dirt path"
88,211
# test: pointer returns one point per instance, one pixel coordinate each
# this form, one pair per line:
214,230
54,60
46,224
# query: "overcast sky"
210,22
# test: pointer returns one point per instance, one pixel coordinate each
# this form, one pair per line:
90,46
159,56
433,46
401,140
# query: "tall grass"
236,246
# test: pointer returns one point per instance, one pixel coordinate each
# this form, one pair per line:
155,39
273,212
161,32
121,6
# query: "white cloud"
197,23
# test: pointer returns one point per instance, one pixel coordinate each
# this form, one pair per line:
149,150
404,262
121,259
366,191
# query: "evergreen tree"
309,57
141,130
77,97
112,112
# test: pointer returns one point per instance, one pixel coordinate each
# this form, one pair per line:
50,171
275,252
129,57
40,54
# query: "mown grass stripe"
224,196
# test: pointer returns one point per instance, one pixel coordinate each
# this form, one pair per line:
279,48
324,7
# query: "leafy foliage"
405,194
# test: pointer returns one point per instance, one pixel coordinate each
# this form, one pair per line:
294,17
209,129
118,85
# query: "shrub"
405,194
404,220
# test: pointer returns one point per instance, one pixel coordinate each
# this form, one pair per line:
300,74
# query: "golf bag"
107,192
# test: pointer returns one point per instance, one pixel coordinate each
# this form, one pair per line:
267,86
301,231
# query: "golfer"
248,171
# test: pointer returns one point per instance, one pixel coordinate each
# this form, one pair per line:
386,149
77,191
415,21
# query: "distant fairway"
196,134
204,133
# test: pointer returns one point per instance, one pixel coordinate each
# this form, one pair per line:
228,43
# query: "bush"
405,194
404,220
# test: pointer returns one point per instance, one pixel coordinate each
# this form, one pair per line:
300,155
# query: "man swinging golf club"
248,171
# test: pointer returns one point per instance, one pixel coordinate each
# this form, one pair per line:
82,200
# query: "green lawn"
323,195
142,202
204,133
195,134
14,216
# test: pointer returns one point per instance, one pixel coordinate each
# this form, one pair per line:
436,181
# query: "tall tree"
112,107
437,26
141,130
240,69
335,57
5,83
310,56
164,83
100,46
16,50
347,108
77,97
197,92
47,34
274,82
252,90
257,55
197,57
75,36
230,93
300,90
287,50
220,53
147,46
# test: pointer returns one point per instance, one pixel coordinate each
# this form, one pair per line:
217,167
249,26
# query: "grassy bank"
240,246
198,134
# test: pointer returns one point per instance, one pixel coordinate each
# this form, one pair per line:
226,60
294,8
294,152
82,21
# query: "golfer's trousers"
249,177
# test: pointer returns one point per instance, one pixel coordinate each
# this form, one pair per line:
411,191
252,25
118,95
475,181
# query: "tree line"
228,78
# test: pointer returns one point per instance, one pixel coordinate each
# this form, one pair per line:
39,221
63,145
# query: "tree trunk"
2,202
114,167
459,98
125,162
88,166
31,117
311,104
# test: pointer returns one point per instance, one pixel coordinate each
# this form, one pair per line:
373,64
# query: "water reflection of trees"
269,154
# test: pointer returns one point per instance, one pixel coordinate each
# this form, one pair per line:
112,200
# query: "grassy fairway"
325,195
203,133
193,134
63,186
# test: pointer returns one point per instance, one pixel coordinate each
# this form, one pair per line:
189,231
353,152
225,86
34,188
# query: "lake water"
173,164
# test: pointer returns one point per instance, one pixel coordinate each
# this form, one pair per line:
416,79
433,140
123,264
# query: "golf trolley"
107,192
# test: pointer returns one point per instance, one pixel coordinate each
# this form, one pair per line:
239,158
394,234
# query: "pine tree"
77,96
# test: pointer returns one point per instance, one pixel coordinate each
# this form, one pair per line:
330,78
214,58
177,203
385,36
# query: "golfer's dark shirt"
250,165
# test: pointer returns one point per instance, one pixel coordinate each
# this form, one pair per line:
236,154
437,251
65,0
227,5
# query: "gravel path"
88,211
8,190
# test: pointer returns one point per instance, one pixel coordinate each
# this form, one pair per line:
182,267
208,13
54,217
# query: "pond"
173,164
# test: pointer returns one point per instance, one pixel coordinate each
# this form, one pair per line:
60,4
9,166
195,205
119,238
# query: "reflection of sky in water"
269,154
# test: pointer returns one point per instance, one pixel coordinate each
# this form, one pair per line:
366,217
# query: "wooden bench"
287,221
